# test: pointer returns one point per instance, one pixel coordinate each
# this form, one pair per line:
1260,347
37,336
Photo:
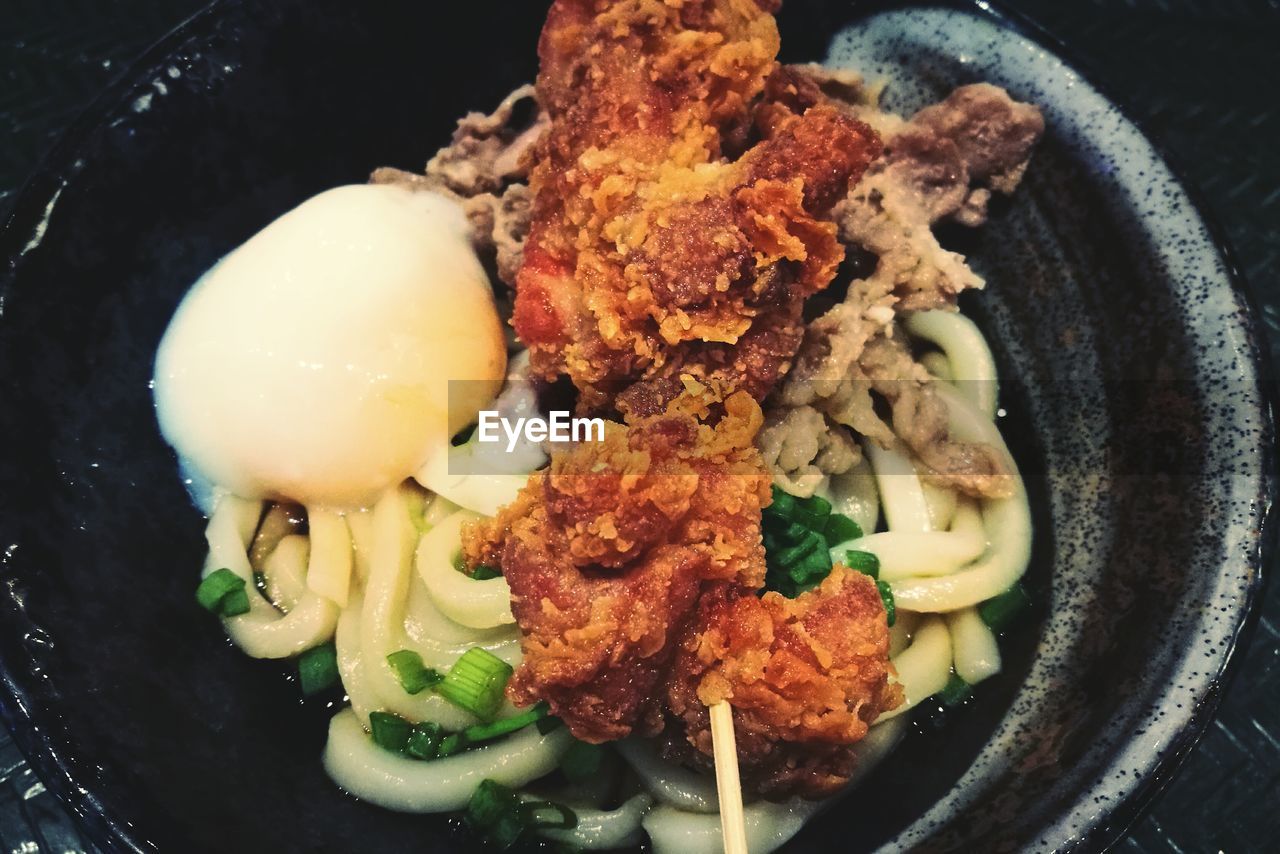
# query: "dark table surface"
1201,75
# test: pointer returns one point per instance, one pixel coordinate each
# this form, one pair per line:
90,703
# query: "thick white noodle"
440,641
438,509
880,741
768,826
263,632
973,368
901,495
1007,522
384,626
937,364
477,604
382,619
361,526
285,571
399,783
975,651
941,503
673,784
479,491
355,681
925,666
924,553
329,569
899,633
854,494
604,830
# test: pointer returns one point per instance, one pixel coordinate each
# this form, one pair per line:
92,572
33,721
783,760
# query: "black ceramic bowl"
1132,385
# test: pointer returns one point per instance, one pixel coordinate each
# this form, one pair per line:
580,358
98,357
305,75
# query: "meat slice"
942,164
607,551
806,678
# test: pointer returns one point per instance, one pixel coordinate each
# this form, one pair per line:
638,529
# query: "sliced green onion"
424,740
783,505
1000,611
235,603
484,732
955,692
222,592
840,529
390,732
414,676
496,813
815,564
483,572
318,669
548,724
451,744
812,512
476,682
811,542
864,562
581,761
886,596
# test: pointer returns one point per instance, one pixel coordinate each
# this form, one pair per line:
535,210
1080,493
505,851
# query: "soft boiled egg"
334,353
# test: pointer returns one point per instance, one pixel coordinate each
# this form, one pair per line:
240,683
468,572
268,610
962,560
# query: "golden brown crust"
806,678
606,553
645,238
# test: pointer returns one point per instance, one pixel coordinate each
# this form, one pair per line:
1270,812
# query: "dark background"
1203,78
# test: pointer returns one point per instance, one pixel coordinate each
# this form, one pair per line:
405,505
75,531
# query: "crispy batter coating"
806,678
635,566
606,553
651,254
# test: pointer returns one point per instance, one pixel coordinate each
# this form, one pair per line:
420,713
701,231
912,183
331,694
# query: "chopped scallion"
390,732
451,744
424,740
886,596
484,732
476,683
864,562
840,529
414,676
318,669
999,612
222,592
496,813
955,692
812,512
783,505
811,542
483,572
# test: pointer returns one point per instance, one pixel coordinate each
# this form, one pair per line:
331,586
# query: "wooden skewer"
728,785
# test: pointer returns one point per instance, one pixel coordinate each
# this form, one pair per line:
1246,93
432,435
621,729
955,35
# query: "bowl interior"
1129,384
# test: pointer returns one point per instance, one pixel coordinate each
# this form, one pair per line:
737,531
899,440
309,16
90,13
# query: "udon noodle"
378,581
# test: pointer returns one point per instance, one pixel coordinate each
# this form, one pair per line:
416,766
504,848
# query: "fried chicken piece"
806,678
606,553
650,253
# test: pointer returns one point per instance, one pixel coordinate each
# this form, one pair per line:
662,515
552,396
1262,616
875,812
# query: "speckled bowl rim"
1112,826
47,750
